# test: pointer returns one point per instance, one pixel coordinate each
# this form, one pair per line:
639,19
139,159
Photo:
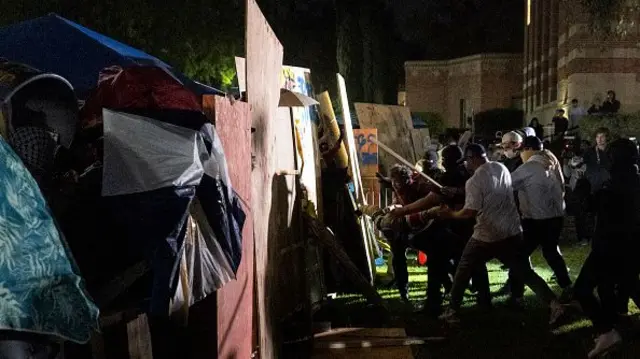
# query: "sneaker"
450,316
605,343
557,311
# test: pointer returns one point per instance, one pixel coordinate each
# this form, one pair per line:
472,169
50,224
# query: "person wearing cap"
512,144
540,185
497,232
612,261
446,239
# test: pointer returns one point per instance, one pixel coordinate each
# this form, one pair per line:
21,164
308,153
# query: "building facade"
458,88
563,61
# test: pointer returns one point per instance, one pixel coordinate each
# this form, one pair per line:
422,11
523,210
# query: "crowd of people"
476,209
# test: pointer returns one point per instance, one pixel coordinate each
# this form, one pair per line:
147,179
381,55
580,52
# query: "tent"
155,190
55,44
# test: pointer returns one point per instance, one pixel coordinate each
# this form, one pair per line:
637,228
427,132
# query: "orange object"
422,258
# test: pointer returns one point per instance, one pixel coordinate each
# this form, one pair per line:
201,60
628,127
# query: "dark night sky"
433,29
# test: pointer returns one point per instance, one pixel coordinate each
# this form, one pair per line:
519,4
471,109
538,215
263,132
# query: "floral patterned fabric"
40,289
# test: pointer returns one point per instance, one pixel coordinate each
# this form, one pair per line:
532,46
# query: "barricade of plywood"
234,306
264,61
394,127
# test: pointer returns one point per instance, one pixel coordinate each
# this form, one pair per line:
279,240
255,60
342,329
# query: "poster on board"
367,150
296,79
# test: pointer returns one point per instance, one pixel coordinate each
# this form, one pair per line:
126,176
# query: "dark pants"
584,220
543,233
442,247
399,261
601,270
509,251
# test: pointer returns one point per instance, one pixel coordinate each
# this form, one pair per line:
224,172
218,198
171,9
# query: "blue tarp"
55,44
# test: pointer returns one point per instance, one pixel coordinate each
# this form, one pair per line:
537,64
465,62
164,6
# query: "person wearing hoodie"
540,185
612,261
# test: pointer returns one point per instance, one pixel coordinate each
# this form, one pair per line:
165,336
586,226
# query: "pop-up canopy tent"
55,44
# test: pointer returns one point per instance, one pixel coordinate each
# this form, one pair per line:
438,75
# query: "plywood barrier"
264,61
394,129
421,141
234,300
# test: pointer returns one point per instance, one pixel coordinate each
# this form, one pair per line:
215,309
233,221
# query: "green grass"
501,333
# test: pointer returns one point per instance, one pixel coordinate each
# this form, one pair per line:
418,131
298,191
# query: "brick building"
460,87
563,61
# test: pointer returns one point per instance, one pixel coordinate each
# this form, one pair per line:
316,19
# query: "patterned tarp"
40,289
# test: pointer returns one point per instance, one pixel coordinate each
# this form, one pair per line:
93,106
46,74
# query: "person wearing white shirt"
497,233
576,113
540,185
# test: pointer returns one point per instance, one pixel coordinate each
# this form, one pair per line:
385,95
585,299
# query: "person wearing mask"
447,239
560,124
540,185
597,161
511,144
428,164
537,127
612,260
611,105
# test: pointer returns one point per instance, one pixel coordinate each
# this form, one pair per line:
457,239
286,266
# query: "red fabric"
136,87
422,258
415,190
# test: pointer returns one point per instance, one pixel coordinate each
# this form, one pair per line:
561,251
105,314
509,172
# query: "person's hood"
546,158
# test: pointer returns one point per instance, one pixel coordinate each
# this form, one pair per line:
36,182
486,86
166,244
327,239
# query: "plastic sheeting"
215,188
138,87
142,154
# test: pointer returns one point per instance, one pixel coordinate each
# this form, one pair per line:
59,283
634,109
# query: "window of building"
528,12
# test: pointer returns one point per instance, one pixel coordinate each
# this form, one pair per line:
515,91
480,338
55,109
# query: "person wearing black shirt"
610,105
612,262
560,124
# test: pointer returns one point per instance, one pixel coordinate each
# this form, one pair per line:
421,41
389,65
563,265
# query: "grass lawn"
501,333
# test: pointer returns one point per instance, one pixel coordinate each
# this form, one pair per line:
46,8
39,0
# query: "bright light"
528,12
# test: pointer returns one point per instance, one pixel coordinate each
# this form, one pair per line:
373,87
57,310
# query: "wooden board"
352,150
421,141
356,343
394,129
297,79
235,299
264,62
367,151
288,279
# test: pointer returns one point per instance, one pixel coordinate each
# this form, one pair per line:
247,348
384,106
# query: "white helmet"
528,132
